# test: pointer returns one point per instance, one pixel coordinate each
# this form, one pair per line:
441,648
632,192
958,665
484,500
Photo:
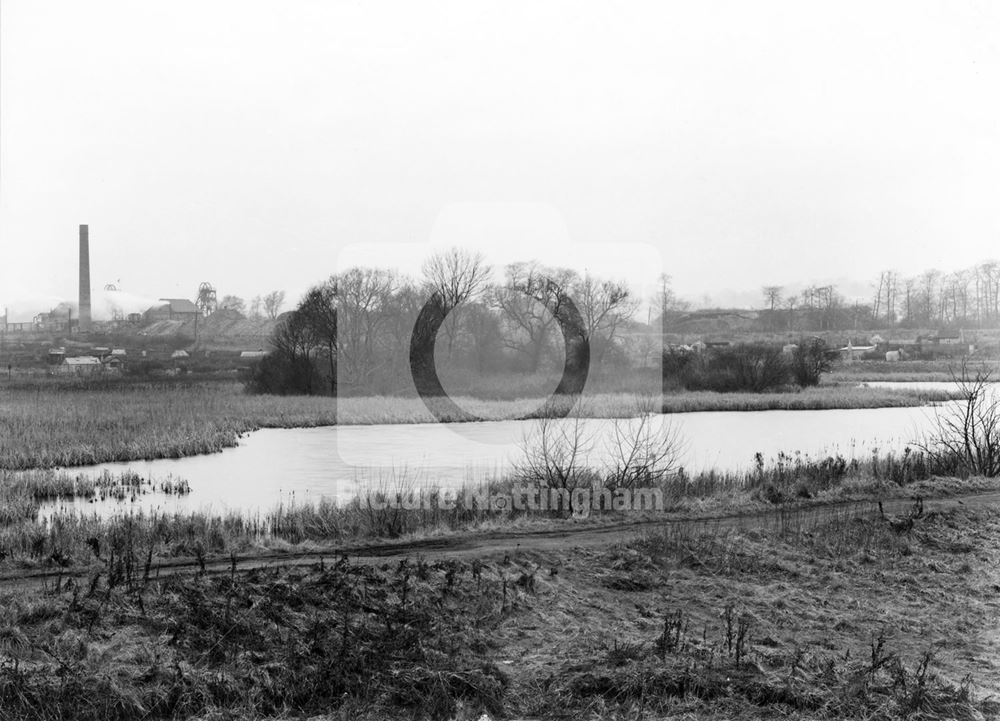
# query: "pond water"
293,466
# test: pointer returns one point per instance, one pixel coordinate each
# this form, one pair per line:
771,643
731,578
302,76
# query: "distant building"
172,309
852,352
81,366
58,320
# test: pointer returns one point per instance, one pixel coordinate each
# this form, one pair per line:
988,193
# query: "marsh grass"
357,640
738,627
731,628
66,536
62,424
419,639
903,371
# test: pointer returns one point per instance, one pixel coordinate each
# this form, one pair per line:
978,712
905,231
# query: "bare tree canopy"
273,302
319,309
233,302
456,275
528,291
772,296
605,307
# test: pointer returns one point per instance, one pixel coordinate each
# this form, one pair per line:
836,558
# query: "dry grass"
903,371
65,424
840,618
65,537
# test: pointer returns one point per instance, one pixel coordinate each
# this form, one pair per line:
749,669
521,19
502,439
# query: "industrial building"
172,309
91,336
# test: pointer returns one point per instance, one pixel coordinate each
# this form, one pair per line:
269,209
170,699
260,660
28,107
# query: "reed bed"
63,536
65,424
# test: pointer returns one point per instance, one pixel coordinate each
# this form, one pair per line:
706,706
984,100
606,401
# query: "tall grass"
61,423
67,536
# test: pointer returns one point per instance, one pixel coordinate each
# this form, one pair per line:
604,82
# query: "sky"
264,145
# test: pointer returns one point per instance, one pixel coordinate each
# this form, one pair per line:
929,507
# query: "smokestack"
84,279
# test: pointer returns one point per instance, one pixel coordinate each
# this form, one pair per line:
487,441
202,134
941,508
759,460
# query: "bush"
279,374
967,434
809,362
745,367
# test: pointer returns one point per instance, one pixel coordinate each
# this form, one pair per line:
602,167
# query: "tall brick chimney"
84,279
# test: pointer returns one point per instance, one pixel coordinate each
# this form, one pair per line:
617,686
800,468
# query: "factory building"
172,309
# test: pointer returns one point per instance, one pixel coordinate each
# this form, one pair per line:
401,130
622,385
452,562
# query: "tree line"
352,332
968,298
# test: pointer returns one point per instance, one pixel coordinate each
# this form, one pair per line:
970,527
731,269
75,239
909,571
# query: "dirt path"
486,544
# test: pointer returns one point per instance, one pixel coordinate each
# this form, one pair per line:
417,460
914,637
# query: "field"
56,423
904,371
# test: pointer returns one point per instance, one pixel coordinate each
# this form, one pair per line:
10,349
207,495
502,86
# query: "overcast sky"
247,143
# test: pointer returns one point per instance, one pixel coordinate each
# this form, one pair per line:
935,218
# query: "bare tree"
365,301
319,308
290,368
791,302
555,453
256,304
644,450
455,276
604,307
273,302
232,302
772,296
966,435
772,299
525,300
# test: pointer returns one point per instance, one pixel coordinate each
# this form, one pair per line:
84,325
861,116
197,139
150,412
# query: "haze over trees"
352,332
967,298
964,298
355,327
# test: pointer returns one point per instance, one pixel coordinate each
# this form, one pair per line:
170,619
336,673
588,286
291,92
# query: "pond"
297,466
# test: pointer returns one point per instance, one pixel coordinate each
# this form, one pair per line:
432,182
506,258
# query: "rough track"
494,543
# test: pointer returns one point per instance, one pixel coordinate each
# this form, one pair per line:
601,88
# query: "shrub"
809,361
967,434
282,375
752,367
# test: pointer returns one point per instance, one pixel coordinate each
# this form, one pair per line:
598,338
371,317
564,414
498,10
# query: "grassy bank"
840,619
60,423
905,371
116,542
